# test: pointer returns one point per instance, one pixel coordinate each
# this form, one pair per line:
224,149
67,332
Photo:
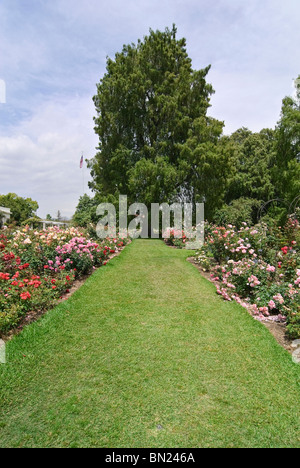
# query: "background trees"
21,208
157,144
253,161
86,211
266,168
287,167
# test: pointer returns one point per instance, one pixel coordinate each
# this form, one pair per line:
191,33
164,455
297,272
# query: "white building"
4,214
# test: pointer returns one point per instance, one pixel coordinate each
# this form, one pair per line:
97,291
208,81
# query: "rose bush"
37,267
259,267
175,238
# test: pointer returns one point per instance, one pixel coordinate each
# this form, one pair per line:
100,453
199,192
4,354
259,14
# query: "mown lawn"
145,354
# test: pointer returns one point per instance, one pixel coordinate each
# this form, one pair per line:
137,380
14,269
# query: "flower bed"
259,268
37,267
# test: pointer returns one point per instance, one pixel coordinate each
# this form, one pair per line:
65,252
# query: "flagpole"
82,162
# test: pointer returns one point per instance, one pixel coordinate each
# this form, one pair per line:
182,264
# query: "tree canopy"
158,144
21,208
86,211
254,158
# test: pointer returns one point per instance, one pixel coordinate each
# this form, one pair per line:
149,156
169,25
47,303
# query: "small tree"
86,211
21,208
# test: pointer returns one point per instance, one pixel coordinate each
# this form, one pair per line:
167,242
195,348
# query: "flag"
81,162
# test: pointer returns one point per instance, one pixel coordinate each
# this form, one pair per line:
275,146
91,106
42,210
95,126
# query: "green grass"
144,343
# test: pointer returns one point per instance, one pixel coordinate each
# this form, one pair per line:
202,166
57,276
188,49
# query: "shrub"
259,267
37,267
238,212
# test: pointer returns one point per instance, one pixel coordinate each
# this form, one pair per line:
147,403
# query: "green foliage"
276,214
293,327
238,212
164,179
287,168
253,162
157,144
266,168
85,215
259,268
21,208
85,211
35,222
206,164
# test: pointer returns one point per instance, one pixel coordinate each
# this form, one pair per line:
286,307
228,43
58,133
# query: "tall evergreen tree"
156,142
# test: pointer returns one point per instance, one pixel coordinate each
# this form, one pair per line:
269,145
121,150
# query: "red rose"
26,295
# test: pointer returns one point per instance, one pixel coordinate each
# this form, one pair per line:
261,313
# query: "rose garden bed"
258,267
37,268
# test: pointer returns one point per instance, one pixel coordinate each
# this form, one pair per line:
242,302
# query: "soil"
278,330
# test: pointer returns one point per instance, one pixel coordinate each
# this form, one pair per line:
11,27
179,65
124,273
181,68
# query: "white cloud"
247,100
41,158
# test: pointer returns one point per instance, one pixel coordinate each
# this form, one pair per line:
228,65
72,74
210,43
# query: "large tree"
156,142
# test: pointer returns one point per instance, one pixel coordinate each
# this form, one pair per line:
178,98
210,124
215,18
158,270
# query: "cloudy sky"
53,52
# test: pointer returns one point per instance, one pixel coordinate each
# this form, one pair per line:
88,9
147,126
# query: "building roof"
5,210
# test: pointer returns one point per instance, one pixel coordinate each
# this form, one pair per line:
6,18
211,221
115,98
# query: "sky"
53,53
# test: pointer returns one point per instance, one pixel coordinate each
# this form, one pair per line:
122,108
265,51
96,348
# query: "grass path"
145,354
